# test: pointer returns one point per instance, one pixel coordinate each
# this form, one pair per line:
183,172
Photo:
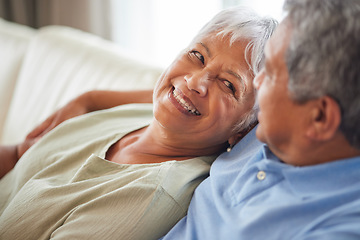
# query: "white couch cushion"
14,39
62,63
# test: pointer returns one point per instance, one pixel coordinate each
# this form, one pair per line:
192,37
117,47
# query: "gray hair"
323,57
241,23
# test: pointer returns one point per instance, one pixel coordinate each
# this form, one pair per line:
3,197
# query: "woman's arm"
89,102
8,159
85,103
98,100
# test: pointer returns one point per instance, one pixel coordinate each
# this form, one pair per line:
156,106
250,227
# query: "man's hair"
243,24
323,57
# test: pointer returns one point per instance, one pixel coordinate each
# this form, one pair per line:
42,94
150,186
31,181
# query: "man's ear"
325,119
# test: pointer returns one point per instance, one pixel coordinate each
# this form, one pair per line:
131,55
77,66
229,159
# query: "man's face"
281,120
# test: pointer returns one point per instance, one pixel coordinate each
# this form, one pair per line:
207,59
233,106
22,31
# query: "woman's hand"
9,155
74,108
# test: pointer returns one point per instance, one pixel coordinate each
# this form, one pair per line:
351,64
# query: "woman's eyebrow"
206,48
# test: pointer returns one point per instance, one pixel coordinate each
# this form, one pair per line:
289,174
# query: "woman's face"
205,92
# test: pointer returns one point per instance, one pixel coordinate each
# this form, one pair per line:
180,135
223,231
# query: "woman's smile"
182,103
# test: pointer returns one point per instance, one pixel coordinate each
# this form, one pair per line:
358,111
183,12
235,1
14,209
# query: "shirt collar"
317,179
324,178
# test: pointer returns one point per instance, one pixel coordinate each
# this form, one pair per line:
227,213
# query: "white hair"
241,23
323,57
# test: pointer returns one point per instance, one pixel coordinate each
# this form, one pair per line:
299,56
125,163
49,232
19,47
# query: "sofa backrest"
62,63
14,40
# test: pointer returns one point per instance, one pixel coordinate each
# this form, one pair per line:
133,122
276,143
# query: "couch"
43,69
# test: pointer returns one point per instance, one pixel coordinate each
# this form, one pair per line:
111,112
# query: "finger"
25,145
37,131
50,127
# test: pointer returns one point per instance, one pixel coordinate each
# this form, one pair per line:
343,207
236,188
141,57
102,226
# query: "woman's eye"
229,85
198,56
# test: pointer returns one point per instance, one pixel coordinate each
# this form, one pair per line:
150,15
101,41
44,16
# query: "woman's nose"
198,83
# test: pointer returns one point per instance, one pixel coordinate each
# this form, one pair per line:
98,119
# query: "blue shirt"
251,194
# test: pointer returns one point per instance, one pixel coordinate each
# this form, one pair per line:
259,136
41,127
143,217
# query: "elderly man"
303,183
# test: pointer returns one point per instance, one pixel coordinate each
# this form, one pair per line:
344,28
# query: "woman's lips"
184,103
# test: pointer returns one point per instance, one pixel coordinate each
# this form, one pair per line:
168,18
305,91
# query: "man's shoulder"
242,152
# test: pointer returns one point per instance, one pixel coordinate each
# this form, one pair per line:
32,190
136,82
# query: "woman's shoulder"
180,178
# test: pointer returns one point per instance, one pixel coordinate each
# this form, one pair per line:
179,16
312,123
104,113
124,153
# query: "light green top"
63,188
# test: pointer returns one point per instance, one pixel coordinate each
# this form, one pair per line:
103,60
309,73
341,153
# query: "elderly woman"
129,172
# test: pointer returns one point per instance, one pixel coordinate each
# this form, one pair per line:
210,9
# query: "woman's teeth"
188,106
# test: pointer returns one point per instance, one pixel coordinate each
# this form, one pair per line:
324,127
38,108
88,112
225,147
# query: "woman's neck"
153,144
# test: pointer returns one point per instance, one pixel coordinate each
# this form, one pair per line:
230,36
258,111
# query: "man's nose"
198,82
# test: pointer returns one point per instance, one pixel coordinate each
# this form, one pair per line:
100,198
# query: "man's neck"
318,152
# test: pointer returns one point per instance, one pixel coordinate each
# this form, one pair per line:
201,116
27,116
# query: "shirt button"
261,175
